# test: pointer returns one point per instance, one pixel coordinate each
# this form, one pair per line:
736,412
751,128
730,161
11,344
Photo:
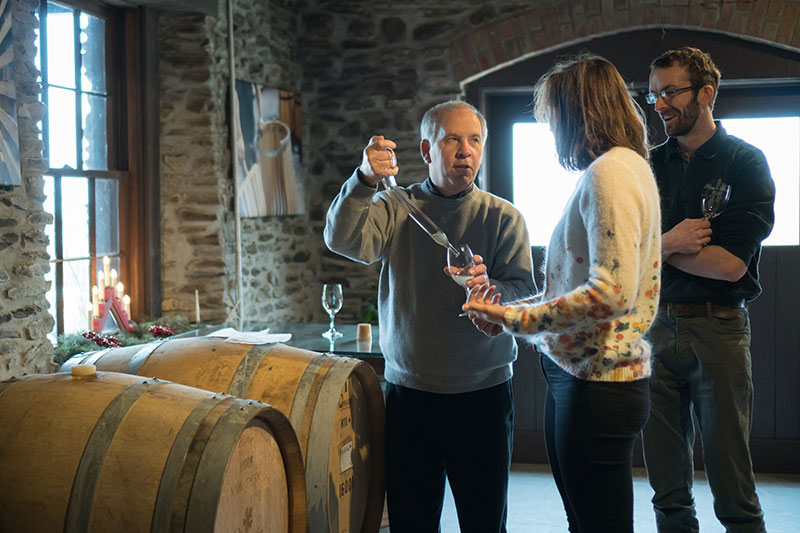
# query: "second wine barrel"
335,405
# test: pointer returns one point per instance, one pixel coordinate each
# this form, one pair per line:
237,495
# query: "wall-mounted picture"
9,139
268,151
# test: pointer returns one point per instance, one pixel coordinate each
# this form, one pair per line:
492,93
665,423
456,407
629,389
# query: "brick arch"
560,23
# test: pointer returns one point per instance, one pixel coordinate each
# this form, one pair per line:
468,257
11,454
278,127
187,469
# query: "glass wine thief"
424,222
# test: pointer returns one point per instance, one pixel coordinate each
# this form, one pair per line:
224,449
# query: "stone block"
6,333
31,289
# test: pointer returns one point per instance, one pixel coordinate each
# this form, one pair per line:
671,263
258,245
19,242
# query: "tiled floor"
535,506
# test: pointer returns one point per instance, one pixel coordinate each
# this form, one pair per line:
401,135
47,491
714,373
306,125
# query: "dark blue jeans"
590,428
468,438
701,364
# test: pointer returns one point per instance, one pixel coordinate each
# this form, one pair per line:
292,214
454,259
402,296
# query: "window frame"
123,126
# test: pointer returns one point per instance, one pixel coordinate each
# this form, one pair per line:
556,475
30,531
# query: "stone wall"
24,316
198,229
279,254
197,241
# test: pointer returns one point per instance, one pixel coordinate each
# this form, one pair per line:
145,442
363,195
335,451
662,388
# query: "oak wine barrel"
112,452
335,405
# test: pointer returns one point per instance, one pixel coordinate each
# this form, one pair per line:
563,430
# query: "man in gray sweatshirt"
449,404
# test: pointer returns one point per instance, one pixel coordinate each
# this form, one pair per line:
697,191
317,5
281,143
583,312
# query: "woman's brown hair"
589,109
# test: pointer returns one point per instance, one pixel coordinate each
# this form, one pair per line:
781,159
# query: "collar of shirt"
433,190
708,149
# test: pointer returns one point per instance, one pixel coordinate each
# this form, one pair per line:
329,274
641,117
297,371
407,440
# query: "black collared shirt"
744,223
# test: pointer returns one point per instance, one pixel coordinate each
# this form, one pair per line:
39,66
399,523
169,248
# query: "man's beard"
684,122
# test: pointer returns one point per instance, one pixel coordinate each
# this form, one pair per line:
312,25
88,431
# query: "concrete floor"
535,506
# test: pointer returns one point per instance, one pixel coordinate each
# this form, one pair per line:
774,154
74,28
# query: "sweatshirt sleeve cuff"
358,188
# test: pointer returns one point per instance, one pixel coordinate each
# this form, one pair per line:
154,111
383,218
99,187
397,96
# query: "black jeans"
468,438
590,428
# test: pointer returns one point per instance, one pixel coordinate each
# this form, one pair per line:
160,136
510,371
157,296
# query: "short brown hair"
589,109
702,70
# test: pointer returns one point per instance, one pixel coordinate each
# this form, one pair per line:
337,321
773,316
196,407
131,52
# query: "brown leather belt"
701,310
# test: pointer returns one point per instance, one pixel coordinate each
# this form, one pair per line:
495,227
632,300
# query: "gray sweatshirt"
426,345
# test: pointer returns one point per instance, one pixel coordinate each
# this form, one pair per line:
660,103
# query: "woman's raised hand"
484,309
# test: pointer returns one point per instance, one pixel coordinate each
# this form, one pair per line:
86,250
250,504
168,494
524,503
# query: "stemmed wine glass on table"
714,198
332,303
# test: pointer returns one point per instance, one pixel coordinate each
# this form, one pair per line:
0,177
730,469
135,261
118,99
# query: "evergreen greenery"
75,343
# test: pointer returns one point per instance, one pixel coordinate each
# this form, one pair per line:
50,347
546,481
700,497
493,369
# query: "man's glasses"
667,94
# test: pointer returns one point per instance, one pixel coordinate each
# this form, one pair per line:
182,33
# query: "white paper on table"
250,337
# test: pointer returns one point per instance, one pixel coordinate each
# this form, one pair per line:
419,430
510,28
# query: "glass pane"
541,186
779,139
93,54
50,207
61,121
95,134
51,299
77,296
61,46
75,217
107,217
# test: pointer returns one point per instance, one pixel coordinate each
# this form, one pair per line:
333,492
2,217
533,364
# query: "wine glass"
460,260
332,303
714,198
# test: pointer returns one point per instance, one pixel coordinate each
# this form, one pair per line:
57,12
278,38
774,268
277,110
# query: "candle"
91,319
106,266
126,305
120,290
197,306
113,277
101,282
95,305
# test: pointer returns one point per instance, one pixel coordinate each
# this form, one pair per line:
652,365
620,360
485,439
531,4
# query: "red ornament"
106,341
161,331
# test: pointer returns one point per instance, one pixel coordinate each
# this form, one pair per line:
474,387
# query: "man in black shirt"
701,336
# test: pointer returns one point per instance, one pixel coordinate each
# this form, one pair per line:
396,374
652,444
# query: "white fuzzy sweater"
602,274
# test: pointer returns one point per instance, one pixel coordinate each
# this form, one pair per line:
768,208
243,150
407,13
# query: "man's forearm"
713,262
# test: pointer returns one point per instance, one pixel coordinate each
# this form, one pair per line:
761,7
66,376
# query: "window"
545,186
84,179
779,139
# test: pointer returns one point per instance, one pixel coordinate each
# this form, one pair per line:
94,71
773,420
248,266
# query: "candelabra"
108,297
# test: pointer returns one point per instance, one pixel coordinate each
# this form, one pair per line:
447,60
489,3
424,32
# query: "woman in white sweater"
601,293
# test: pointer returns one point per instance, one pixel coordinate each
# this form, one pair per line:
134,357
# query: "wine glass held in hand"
332,303
714,198
460,260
